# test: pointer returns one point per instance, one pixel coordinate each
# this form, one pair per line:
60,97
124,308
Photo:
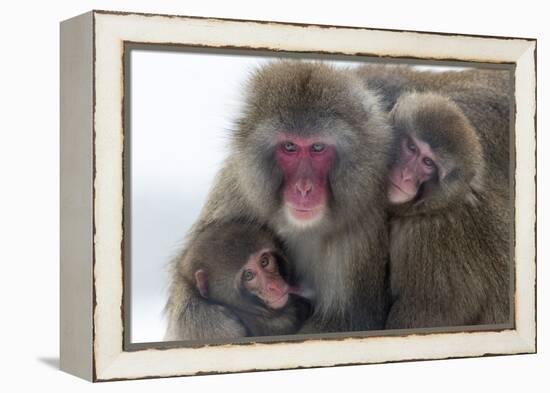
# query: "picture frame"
94,342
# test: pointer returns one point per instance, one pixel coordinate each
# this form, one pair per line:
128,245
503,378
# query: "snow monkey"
241,270
309,159
449,225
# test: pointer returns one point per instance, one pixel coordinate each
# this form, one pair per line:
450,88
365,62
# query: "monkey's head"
438,160
241,266
311,146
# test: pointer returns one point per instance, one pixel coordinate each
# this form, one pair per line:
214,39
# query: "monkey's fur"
220,251
483,95
449,249
342,260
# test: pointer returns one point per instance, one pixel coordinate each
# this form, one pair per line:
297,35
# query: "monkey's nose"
304,186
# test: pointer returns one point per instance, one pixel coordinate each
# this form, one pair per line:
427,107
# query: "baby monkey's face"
261,277
416,164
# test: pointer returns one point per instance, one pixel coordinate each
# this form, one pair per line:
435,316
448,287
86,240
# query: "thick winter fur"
483,95
341,261
450,247
220,251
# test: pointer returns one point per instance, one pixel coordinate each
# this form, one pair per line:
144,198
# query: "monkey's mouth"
405,196
399,188
279,302
305,214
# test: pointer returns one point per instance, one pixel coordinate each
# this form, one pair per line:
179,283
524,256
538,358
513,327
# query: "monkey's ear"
202,283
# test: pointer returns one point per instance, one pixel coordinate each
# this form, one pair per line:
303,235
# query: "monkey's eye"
317,147
264,261
428,162
248,275
289,147
411,146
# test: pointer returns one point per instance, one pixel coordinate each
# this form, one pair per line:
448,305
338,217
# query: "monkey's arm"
191,317
441,277
438,291
409,312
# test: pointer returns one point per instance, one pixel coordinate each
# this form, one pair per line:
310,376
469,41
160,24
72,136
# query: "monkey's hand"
198,319
222,323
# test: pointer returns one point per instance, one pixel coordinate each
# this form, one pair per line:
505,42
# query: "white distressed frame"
109,361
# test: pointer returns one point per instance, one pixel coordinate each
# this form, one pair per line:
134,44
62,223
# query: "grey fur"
482,94
342,260
449,249
220,251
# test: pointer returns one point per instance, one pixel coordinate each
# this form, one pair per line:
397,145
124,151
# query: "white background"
182,107
29,196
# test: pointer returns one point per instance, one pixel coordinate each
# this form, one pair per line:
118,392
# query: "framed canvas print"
247,195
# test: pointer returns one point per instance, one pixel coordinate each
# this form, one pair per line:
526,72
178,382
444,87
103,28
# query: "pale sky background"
182,108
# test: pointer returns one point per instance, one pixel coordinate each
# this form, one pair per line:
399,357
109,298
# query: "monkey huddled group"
353,199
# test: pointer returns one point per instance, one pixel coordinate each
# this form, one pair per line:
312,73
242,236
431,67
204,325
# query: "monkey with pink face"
311,159
451,206
450,221
308,159
239,270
